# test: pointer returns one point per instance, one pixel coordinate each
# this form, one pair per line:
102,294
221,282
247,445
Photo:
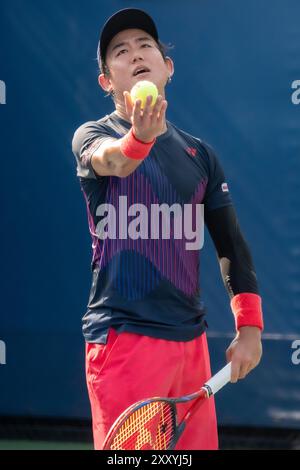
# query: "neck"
121,111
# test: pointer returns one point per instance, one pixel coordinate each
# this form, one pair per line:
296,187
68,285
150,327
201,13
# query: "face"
128,53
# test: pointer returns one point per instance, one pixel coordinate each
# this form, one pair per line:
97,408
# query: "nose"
137,56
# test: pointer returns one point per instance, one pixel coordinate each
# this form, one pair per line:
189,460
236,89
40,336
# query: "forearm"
121,157
237,268
109,160
236,264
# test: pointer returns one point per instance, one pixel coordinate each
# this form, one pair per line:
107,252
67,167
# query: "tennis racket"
152,424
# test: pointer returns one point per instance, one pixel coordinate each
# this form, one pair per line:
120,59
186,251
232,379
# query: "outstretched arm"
118,157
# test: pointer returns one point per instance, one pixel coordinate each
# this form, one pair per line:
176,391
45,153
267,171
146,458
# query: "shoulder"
191,138
206,151
92,127
89,132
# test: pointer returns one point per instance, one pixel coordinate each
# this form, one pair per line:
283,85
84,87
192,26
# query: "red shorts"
131,367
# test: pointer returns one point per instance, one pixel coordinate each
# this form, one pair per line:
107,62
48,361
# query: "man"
145,325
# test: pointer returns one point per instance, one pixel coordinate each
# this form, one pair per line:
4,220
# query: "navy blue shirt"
146,284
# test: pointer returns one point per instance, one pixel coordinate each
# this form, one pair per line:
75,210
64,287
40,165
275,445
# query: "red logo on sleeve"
191,151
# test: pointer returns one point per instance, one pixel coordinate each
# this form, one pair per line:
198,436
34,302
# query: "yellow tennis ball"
141,90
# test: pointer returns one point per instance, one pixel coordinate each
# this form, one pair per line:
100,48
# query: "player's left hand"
244,352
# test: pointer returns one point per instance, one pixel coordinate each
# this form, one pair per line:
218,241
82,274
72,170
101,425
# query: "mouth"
140,71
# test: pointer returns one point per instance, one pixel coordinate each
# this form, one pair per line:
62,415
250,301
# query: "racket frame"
211,387
204,392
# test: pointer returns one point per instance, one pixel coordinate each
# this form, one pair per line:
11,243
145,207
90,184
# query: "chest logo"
191,151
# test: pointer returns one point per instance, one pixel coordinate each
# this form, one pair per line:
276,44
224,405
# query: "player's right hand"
147,123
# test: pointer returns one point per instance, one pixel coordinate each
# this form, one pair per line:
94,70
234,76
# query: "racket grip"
220,379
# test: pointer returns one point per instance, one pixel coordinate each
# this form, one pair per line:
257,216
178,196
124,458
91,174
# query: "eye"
147,45
121,52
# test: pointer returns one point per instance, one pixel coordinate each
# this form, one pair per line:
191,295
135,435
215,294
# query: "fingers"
229,354
157,105
162,112
147,122
235,367
154,112
239,370
128,103
240,367
235,372
159,109
147,111
136,115
244,352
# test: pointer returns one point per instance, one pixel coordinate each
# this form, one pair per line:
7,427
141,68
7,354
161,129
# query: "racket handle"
220,379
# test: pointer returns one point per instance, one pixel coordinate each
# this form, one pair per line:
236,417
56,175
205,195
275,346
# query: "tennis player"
145,324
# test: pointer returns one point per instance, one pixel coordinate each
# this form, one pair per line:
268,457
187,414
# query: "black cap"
128,18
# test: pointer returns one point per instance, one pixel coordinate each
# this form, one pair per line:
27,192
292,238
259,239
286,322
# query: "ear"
170,66
105,83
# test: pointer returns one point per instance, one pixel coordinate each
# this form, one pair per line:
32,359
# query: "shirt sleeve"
217,192
233,252
86,141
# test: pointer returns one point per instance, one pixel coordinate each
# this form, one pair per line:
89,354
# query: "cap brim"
128,18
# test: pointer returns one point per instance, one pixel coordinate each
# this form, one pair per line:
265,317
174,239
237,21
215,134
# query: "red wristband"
133,148
247,310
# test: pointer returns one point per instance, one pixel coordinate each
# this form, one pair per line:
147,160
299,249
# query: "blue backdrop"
236,64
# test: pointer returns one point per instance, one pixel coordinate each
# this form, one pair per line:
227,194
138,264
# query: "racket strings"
152,426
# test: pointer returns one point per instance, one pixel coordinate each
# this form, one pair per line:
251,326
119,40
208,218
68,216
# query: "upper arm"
223,227
89,140
217,193
226,233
